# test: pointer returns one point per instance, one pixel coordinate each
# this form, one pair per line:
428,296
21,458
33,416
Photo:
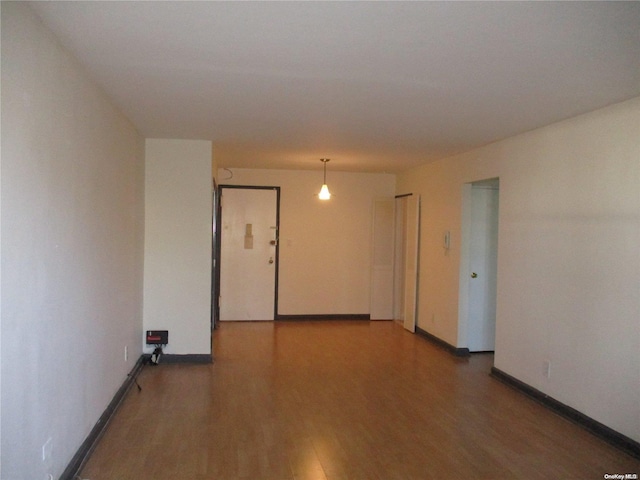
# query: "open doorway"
400,226
478,266
406,256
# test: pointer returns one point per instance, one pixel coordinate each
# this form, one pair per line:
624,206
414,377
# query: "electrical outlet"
546,368
126,353
47,448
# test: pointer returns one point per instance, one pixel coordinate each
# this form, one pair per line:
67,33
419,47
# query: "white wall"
72,239
568,258
177,253
325,246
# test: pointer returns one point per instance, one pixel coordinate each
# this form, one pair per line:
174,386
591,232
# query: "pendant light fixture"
324,191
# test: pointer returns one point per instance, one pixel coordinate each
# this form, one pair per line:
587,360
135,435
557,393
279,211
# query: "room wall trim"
609,435
86,449
457,351
90,443
347,316
188,358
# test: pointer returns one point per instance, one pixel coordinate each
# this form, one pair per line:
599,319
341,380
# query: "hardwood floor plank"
339,401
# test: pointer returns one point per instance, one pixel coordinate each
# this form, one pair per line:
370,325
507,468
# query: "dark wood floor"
337,401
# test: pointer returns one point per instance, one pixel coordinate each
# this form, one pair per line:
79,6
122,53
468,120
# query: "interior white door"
412,239
483,251
248,249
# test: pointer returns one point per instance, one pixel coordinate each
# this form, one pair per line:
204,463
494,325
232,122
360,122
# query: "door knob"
474,275
270,260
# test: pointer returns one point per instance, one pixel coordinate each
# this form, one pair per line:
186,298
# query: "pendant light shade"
324,194
324,191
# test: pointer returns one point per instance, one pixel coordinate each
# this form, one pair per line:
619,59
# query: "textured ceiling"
375,86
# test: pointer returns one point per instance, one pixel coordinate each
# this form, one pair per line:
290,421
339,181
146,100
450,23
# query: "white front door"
248,253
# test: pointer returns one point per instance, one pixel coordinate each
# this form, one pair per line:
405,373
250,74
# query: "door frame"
218,251
215,275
